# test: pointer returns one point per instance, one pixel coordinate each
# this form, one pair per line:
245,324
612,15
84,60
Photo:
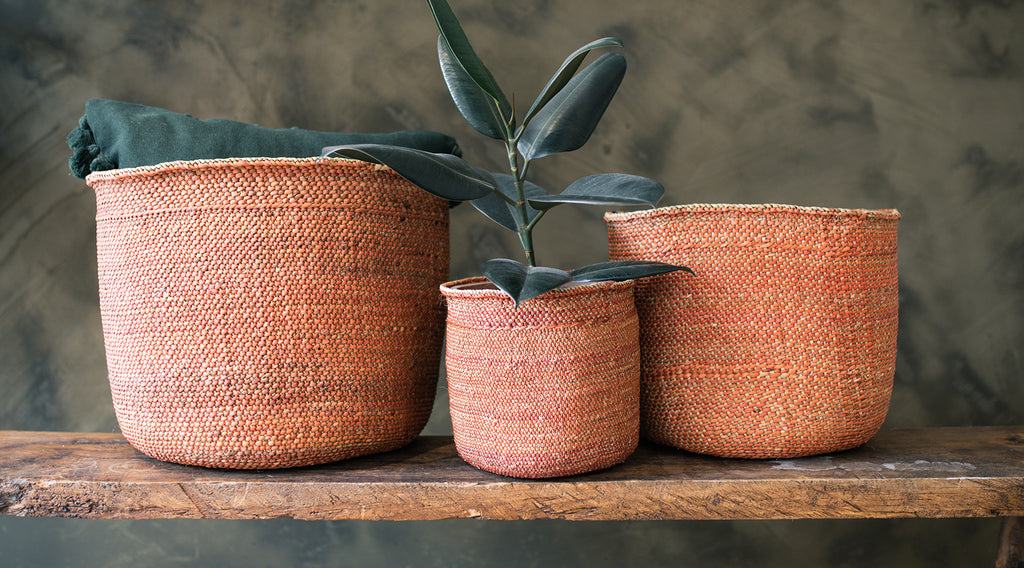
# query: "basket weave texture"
548,389
268,313
784,342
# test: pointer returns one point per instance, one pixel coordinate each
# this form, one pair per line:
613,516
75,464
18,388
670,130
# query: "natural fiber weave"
548,389
784,342
267,313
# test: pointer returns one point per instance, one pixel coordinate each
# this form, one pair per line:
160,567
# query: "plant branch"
536,218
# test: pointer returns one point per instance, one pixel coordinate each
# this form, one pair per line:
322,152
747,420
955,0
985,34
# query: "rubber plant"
561,119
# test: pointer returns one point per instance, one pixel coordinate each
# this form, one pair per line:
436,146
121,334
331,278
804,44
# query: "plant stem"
522,216
526,237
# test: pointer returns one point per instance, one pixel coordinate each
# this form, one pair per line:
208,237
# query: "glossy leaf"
444,175
477,107
522,282
566,122
566,72
453,36
501,211
605,189
620,270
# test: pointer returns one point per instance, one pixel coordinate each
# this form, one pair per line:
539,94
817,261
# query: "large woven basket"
784,342
548,389
267,313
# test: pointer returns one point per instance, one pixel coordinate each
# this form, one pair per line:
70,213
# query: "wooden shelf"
938,472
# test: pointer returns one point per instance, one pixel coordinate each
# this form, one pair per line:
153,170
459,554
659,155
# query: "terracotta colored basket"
784,342
547,389
267,313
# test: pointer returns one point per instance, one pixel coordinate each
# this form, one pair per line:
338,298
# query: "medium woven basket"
268,313
548,389
784,342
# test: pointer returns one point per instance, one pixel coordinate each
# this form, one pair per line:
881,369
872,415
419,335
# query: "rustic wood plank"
941,472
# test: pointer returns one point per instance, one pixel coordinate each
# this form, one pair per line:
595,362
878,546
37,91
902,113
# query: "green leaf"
480,110
444,175
620,270
457,44
522,282
501,211
565,72
566,122
605,189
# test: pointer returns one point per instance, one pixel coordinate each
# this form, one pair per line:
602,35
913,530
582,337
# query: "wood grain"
941,472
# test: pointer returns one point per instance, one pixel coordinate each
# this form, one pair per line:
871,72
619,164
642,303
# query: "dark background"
915,105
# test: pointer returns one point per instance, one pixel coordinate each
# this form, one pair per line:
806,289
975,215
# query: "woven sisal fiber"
784,342
548,389
268,313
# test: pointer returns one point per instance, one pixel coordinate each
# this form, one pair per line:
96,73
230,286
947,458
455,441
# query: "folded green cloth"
115,134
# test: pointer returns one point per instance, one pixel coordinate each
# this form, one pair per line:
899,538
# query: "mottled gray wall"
913,104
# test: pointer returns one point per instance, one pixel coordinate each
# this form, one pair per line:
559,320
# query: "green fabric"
115,134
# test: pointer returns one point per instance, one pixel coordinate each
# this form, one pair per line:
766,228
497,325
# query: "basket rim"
757,208
450,289
183,165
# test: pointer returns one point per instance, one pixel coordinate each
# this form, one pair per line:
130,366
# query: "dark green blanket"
115,134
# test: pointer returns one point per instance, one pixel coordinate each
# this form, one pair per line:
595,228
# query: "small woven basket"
784,342
268,313
548,389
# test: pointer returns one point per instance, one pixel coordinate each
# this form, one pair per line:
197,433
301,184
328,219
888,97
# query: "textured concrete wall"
915,105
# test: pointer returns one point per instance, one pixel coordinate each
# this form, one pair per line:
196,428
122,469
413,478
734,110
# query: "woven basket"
784,342
268,313
548,389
